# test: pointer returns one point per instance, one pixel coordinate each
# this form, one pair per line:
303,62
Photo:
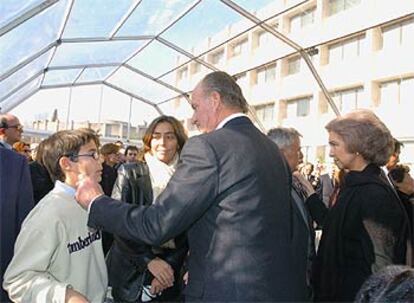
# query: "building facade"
109,131
360,48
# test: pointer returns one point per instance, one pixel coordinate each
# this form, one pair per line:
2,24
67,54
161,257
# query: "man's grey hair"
227,87
283,136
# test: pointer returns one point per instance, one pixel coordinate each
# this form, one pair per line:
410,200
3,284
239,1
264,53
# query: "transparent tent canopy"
139,47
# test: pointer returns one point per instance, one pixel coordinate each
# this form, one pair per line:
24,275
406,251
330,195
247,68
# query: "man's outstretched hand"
88,190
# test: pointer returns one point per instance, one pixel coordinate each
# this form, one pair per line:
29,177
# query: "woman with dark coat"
135,266
41,181
367,228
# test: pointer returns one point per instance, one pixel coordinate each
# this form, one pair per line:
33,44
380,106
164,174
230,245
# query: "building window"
218,57
347,49
239,48
196,68
182,73
265,113
397,92
298,107
266,74
302,19
397,34
336,6
349,99
263,38
293,65
241,80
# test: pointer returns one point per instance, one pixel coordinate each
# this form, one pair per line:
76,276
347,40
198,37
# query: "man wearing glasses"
16,199
10,130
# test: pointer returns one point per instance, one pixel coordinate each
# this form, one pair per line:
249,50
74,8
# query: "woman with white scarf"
138,272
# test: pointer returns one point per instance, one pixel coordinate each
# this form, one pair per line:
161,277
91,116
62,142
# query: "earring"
357,153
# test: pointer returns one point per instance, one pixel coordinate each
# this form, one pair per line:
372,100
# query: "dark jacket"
109,175
364,231
408,203
41,182
16,201
231,191
127,260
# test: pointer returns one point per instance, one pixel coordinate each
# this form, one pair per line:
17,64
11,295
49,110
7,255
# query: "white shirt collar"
227,119
5,144
63,187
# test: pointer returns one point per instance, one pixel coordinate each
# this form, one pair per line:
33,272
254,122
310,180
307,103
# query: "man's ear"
65,164
215,99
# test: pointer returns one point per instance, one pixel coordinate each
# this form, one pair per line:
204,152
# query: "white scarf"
160,172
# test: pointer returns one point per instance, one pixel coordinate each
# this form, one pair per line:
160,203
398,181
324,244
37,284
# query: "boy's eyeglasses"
95,155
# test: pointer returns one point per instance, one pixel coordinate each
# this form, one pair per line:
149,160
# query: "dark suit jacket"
16,201
304,233
231,191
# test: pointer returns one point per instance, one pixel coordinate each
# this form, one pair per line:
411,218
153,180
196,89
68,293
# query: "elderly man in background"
307,205
10,130
231,191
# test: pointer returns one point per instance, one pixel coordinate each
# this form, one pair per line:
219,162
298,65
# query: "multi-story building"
362,50
110,130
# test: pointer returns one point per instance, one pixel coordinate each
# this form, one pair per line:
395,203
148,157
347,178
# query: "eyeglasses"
18,127
95,155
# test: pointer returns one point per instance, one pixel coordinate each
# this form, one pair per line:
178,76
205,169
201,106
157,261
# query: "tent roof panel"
86,17
22,75
28,38
139,85
94,52
152,16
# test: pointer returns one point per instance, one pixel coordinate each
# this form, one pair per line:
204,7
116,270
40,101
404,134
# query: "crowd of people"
230,215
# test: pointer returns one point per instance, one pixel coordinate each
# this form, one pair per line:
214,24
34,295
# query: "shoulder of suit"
11,155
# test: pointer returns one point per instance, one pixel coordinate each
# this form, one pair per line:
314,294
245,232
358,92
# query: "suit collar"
236,121
228,119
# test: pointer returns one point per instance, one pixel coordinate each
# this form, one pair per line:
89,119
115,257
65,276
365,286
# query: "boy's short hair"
130,147
65,143
110,148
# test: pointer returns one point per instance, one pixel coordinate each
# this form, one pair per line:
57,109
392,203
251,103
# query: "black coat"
364,231
127,260
231,191
41,182
408,203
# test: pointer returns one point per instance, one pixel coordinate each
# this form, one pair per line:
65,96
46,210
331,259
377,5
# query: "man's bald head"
10,128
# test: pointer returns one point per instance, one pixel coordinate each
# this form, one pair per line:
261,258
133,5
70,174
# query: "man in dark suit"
16,201
231,191
307,206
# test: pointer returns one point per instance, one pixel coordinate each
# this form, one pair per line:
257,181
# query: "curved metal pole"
289,42
69,104
26,16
